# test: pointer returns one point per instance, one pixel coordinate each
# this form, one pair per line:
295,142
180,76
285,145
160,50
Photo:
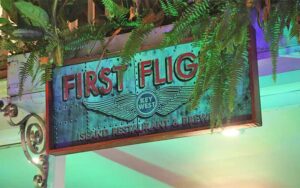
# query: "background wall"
266,157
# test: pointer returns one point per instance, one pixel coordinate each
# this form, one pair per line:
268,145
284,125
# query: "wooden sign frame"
254,120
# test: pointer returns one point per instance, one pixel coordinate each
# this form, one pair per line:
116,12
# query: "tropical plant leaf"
9,45
114,10
134,42
28,34
168,8
47,73
36,15
182,27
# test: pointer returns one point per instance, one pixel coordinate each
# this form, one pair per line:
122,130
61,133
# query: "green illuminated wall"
266,157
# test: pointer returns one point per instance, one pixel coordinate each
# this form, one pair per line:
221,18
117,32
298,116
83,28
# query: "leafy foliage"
134,42
219,28
172,8
47,73
114,10
80,37
27,69
182,26
283,14
37,16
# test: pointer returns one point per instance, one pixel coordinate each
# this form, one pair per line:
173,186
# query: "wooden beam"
91,12
3,66
73,25
3,74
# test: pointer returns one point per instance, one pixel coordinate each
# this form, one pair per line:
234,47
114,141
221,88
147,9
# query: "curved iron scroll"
32,140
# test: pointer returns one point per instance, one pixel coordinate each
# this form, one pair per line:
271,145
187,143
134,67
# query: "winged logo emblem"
128,106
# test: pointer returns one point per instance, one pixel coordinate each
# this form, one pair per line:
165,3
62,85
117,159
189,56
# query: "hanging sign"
94,104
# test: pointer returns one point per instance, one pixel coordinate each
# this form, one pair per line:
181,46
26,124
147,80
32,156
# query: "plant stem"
54,7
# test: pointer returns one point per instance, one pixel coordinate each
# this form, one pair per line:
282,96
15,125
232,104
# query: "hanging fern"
235,71
274,30
284,13
220,65
207,62
79,43
134,42
216,100
192,14
31,63
219,28
47,73
26,70
78,38
8,45
114,10
172,7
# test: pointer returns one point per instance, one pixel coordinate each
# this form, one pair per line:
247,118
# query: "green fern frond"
47,73
8,45
280,17
182,27
171,8
273,32
294,29
114,9
164,7
78,43
134,41
31,62
23,74
78,39
208,60
235,70
221,67
216,100
27,69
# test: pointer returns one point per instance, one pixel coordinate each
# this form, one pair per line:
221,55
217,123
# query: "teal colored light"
15,170
265,157
284,92
93,171
259,157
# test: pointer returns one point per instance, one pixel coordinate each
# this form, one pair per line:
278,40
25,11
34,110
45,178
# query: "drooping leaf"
26,70
134,42
28,34
36,15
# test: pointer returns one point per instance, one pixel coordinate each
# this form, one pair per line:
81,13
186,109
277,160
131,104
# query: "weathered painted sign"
96,105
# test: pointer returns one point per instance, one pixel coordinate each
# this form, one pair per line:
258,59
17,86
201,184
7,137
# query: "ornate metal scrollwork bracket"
33,135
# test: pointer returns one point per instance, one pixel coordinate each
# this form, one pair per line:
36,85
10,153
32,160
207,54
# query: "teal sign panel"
99,104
